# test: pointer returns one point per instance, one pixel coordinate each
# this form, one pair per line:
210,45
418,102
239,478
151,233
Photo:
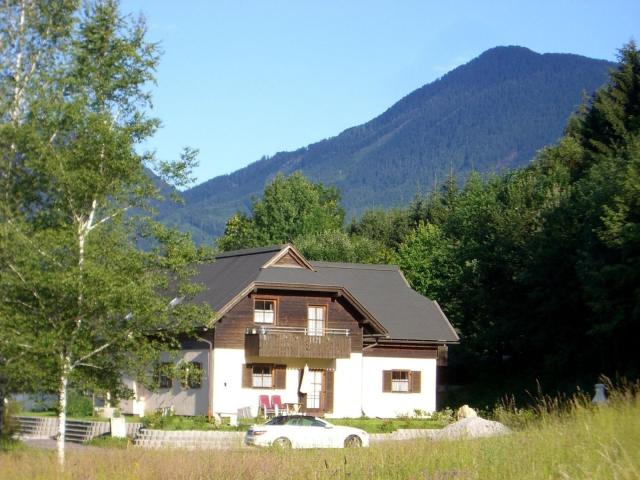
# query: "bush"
108,442
79,405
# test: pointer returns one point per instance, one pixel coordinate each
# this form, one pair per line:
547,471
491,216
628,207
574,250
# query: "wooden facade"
297,345
291,311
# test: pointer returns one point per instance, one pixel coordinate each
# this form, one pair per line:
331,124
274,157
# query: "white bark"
62,405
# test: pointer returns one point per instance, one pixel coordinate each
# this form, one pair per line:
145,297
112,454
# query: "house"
355,339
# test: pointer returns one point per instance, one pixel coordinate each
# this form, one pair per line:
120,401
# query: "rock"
466,411
472,427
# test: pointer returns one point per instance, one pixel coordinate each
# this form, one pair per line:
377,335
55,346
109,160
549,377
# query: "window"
400,381
315,317
262,376
194,375
314,394
264,311
163,374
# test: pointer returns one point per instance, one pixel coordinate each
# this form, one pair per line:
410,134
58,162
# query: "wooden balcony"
294,342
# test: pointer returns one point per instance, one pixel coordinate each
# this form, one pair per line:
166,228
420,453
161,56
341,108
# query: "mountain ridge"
493,112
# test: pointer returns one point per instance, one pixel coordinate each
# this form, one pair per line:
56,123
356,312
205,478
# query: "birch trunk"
62,415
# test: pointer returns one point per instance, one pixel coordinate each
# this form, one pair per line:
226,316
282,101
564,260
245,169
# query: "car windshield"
298,421
277,421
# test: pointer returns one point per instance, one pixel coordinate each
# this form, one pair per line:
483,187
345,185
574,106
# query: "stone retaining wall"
189,439
76,430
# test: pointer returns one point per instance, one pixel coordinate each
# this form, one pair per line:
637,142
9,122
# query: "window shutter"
328,391
386,380
416,380
280,376
247,371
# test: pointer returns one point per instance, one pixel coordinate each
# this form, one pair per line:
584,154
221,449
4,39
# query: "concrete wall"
185,401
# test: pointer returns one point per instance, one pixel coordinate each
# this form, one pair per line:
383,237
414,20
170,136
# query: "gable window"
262,376
316,316
401,381
264,311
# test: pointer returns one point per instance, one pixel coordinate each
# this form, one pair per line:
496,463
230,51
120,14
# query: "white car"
302,431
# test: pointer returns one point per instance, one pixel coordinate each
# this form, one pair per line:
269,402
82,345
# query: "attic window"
264,311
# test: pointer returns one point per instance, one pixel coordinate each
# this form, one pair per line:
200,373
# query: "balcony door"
316,320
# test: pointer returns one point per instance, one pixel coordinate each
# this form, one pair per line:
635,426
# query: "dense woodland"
538,268
490,114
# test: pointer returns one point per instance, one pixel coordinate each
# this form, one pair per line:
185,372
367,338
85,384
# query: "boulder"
466,411
473,427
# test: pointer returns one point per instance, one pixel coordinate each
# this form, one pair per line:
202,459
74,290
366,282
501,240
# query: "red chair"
276,404
265,405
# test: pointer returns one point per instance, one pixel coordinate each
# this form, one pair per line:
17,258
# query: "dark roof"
230,274
385,293
381,289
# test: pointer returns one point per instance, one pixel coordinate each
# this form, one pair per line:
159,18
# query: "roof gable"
379,292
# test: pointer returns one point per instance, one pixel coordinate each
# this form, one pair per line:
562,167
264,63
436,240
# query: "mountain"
490,114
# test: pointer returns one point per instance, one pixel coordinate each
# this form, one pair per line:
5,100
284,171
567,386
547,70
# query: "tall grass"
563,439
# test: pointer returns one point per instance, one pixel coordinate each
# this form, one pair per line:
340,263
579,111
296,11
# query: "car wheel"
353,441
282,443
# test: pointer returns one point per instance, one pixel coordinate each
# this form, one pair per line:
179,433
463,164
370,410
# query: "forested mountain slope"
492,113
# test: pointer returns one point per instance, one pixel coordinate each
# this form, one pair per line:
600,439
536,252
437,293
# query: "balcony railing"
297,342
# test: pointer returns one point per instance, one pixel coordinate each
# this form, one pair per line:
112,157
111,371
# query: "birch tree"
81,302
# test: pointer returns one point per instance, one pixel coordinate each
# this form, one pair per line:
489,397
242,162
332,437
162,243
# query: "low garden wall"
76,430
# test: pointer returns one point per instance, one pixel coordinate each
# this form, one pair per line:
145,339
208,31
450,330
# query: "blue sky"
242,79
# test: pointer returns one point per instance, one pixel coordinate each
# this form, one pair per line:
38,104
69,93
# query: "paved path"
50,444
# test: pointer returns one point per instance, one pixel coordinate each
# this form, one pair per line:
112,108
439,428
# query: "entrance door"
319,398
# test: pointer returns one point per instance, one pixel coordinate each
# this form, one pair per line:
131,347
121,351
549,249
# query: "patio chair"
276,404
265,405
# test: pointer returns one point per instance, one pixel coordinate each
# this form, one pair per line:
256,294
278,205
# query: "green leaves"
80,298
290,207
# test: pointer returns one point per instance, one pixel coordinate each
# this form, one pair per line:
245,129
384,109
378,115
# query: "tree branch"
106,219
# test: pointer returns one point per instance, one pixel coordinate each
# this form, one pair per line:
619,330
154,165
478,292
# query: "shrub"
79,405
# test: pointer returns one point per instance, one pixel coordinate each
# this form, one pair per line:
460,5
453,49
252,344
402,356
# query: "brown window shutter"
280,376
386,380
416,381
247,371
328,391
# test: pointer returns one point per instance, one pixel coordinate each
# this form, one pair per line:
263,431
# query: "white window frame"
262,379
315,325
264,315
399,384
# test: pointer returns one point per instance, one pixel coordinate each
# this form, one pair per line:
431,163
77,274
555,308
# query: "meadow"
574,440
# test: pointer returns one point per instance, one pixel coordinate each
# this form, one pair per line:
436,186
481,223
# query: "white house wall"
376,403
347,387
357,386
229,395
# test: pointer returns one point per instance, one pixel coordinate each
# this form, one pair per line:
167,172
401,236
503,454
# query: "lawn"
381,425
582,442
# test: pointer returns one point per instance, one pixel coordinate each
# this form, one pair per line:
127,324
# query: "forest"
538,268
489,115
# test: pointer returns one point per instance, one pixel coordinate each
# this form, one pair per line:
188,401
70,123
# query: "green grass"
380,425
178,422
556,441
109,442
10,444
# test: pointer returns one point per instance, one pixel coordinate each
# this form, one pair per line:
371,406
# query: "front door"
319,398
